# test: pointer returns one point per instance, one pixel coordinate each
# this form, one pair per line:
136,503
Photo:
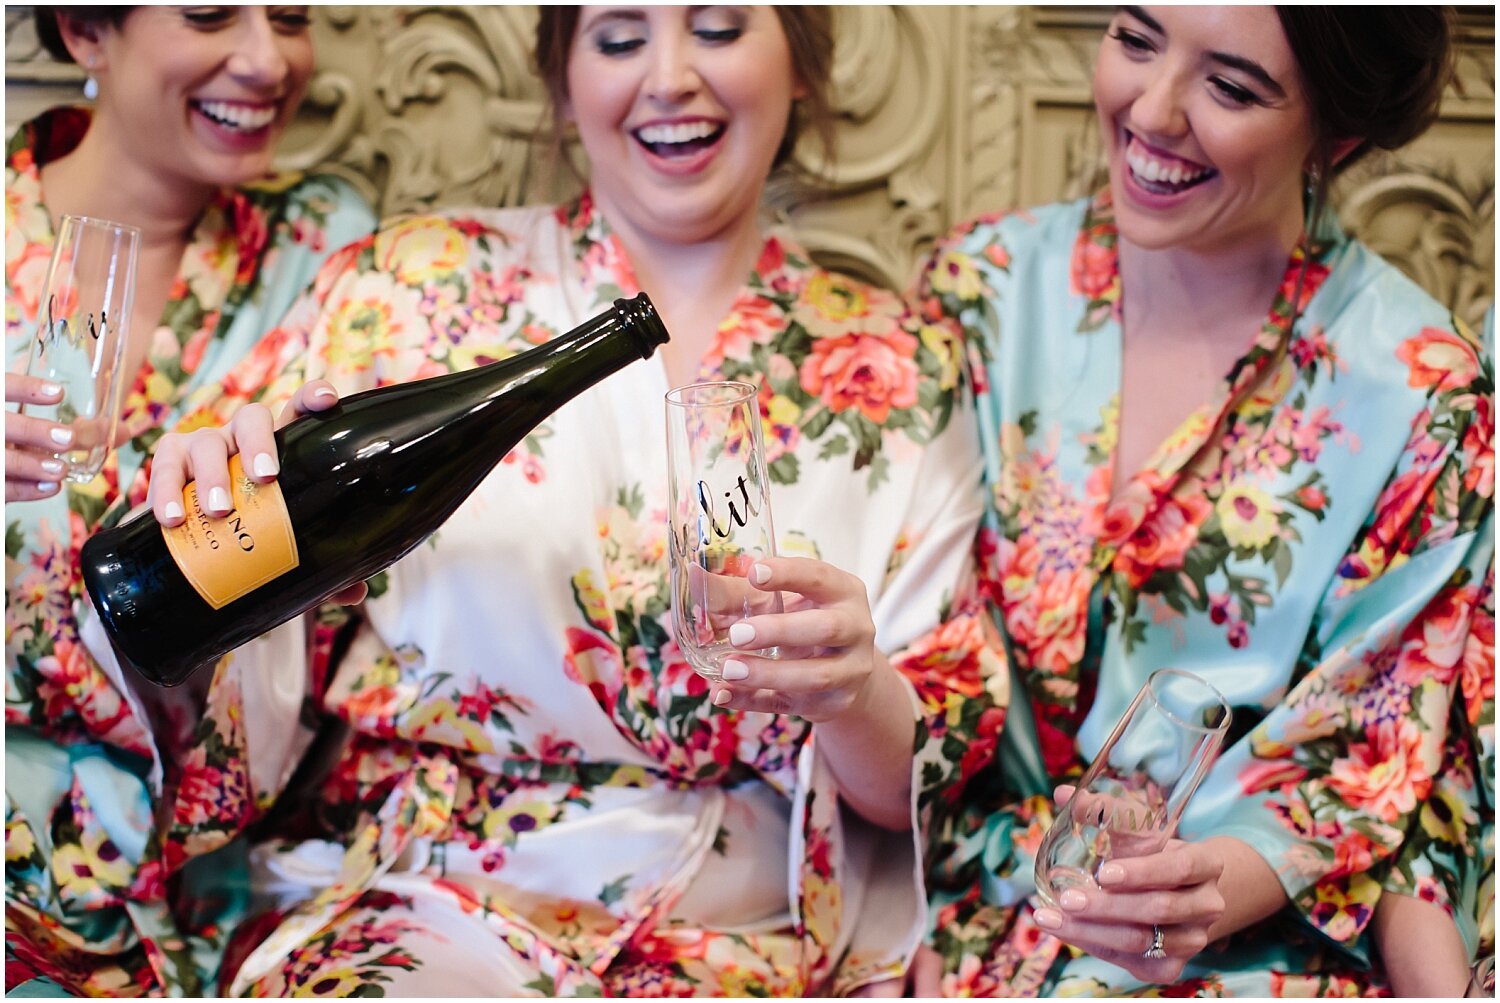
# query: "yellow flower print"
628,775
835,298
1247,515
946,349
955,273
1270,392
84,869
782,410
592,599
337,982
420,250
1109,426
508,822
20,844
1446,817
821,905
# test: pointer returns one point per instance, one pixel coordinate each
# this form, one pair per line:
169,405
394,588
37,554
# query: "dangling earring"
90,84
1314,181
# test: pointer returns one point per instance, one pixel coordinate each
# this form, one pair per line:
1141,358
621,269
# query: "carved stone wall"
945,112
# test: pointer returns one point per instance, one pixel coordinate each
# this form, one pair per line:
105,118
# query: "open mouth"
679,139
1163,175
237,117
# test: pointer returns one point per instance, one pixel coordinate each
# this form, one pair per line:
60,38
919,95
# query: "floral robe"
1316,540
538,797
84,883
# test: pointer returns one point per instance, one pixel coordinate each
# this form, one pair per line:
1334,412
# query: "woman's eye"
207,17
619,46
1131,41
718,36
294,20
1234,92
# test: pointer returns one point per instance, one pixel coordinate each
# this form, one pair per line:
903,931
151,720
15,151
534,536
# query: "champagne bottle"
361,484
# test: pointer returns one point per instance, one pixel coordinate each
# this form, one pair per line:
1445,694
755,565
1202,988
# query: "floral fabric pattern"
251,252
1316,540
513,686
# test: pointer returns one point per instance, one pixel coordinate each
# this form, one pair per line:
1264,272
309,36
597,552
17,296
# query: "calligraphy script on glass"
49,332
720,530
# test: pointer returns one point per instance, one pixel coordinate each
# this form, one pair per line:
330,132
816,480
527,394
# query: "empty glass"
720,521
1128,802
83,318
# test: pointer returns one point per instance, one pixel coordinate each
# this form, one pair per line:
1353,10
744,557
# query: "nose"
671,76
257,58
1159,109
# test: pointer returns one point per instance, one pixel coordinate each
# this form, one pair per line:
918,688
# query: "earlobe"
83,41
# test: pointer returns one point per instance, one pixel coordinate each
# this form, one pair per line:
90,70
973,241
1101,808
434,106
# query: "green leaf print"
614,891
836,446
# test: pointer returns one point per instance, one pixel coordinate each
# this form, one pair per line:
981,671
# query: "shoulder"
1052,227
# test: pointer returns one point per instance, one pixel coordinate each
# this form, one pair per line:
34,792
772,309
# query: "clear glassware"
1129,800
83,321
720,518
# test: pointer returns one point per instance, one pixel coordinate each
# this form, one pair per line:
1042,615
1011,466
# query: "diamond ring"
1158,948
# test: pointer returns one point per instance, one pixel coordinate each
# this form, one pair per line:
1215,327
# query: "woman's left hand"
1175,890
826,638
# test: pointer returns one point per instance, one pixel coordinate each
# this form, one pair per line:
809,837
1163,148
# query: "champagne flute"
720,521
1129,800
83,319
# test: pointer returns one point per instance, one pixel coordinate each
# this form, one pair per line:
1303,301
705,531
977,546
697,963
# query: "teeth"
1151,169
239,116
679,132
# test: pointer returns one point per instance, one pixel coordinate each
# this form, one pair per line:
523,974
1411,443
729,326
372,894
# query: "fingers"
1196,904
318,395
1180,864
255,441
818,581
22,389
926,974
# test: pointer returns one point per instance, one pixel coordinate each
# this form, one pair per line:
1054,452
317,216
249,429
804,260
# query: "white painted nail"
52,466
218,500
741,634
722,697
265,465
760,574
46,487
735,669
51,389
323,393
174,510
62,436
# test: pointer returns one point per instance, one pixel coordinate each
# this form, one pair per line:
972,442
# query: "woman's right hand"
32,470
203,456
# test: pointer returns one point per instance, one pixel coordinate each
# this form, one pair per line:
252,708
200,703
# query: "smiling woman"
190,105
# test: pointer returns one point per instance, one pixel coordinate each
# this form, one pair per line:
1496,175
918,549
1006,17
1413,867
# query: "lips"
672,140
1161,173
236,116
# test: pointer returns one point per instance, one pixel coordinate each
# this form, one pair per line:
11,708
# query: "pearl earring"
90,84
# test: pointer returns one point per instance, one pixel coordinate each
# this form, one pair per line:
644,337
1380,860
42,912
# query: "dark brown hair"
45,19
809,36
1375,74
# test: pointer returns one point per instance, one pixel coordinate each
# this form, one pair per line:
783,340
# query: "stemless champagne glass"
1128,802
83,318
720,521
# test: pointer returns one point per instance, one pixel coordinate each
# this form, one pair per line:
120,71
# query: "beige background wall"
946,112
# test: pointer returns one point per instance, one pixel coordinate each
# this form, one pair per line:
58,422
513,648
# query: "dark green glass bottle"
362,484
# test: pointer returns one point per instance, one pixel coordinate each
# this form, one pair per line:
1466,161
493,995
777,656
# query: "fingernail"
174,510
324,393
46,487
1072,899
722,697
735,669
52,466
264,465
760,574
218,500
741,634
51,389
62,436
1110,874
1048,919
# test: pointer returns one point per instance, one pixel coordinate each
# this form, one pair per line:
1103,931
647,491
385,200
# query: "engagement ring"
1158,948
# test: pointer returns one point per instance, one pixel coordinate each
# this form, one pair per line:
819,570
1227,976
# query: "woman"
1301,514
541,796
190,104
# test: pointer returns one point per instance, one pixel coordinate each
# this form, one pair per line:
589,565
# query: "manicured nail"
1072,900
264,465
722,697
1048,919
741,634
174,510
62,436
218,500
52,466
46,487
323,393
734,669
51,389
760,574
1111,874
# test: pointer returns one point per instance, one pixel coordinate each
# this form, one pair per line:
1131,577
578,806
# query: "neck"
1201,291
98,178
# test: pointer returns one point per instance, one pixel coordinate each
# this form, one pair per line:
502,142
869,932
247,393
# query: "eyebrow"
1247,66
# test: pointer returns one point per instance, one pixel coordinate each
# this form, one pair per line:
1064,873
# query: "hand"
1176,889
203,456
32,469
925,977
826,639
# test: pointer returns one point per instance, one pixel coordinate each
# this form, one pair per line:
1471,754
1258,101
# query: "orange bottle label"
226,557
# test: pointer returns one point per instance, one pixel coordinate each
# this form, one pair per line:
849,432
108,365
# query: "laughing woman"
541,796
1223,437
190,105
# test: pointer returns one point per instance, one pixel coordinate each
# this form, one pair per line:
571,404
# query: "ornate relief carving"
944,112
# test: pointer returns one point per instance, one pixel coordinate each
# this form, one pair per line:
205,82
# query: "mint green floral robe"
1316,540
